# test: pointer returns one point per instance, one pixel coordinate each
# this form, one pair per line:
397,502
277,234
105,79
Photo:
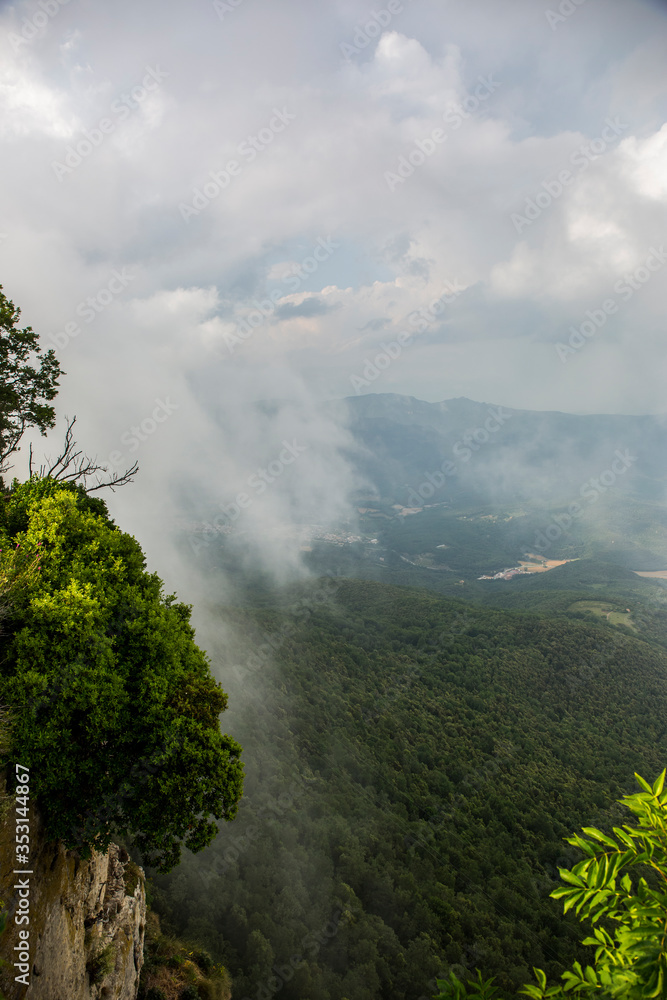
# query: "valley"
443,703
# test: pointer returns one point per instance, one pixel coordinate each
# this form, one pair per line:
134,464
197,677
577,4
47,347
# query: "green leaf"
644,785
598,835
624,837
568,876
573,900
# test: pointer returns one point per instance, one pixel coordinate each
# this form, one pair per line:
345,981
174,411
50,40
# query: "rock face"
87,921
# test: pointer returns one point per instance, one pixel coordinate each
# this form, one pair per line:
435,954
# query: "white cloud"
29,107
646,164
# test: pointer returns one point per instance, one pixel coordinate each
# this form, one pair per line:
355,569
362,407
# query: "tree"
25,391
114,707
25,395
630,940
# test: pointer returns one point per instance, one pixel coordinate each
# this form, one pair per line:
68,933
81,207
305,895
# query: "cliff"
86,919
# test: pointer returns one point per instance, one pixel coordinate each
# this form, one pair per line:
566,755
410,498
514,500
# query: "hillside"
636,604
459,488
413,765
496,450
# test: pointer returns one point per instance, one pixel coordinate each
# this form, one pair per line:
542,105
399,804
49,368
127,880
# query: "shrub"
154,993
132,878
203,960
100,965
189,993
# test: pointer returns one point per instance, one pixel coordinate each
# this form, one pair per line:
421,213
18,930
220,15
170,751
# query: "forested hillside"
413,765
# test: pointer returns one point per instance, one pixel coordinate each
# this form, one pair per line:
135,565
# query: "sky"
211,203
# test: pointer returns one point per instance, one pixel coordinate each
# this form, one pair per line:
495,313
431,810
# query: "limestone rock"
87,921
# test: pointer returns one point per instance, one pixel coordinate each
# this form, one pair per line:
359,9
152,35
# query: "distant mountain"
487,451
459,487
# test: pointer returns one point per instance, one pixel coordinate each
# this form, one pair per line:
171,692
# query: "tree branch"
72,466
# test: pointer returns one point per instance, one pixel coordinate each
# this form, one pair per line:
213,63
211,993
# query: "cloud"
646,169
311,306
29,107
446,224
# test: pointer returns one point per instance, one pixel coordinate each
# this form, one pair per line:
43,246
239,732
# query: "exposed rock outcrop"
87,920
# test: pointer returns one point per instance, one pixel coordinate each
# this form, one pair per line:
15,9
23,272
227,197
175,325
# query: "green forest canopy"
413,765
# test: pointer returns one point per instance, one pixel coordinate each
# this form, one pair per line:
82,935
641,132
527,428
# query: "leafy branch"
631,945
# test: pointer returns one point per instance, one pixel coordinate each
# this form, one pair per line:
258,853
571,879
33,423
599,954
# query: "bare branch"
117,479
72,466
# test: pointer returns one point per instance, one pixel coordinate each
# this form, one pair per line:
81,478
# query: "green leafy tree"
28,381
114,707
620,886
